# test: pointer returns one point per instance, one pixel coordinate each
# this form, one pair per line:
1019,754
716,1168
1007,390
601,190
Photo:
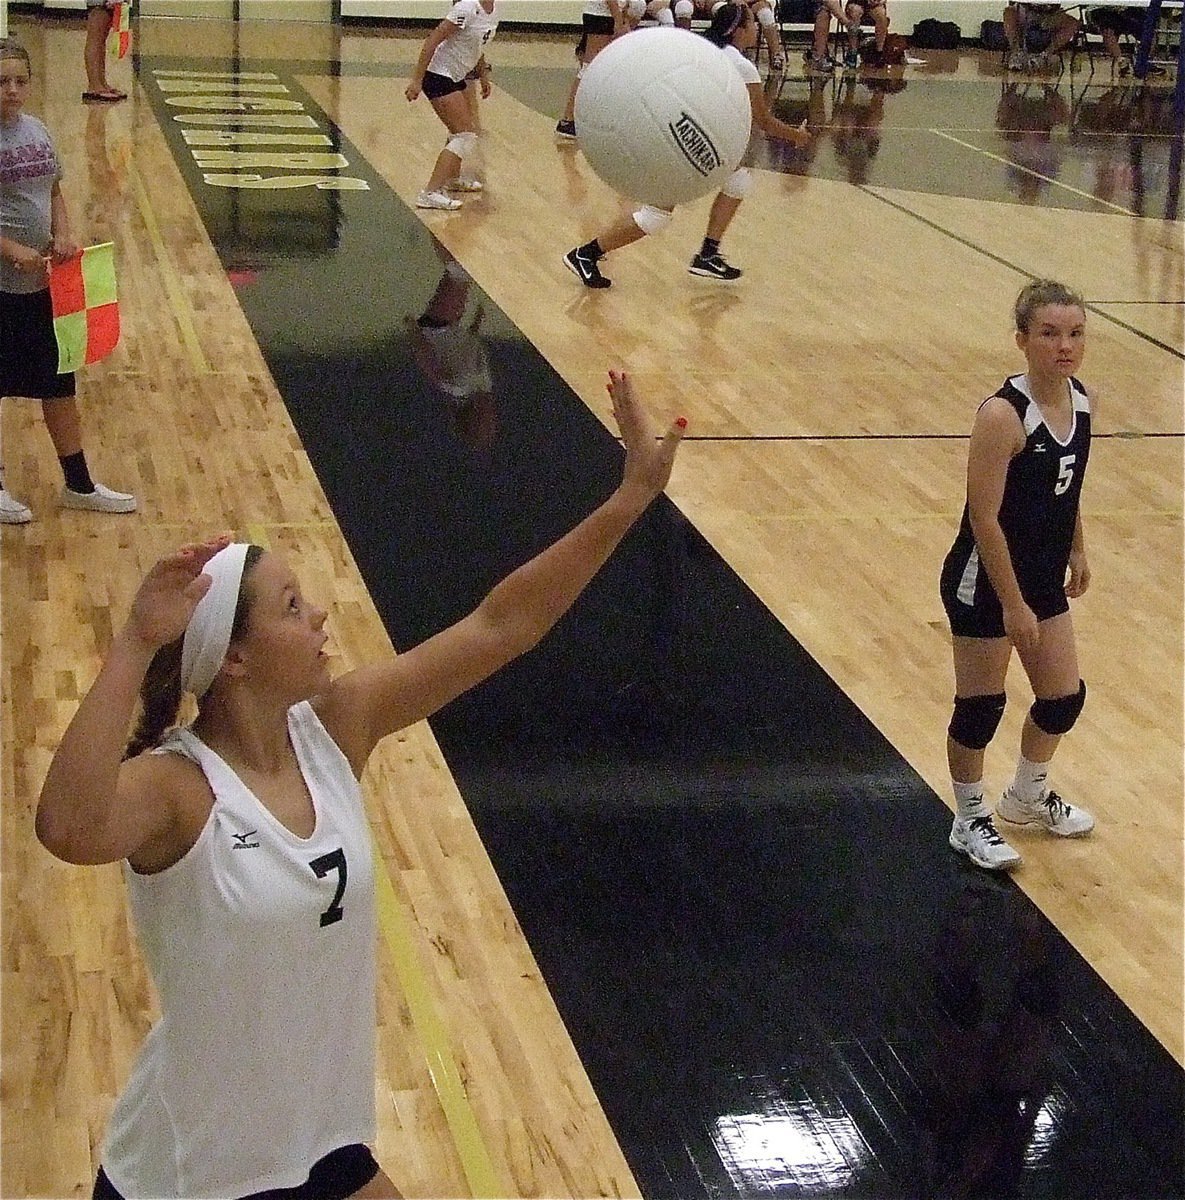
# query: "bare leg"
622,233
453,110
473,167
594,44
94,54
1052,669
64,424
981,666
724,208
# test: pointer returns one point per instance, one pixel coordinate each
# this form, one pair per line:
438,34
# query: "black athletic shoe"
713,266
587,269
565,129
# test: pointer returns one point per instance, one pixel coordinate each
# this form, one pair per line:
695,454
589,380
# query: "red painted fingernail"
681,422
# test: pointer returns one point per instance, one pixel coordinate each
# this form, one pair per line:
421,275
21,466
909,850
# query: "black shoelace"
984,825
1058,808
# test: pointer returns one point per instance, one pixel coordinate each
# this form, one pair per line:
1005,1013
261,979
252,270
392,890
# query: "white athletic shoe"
437,200
12,511
978,840
1052,813
466,185
102,499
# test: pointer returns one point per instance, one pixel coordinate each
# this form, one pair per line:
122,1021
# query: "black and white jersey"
1040,505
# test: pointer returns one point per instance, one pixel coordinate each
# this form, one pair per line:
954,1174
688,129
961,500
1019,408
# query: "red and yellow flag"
85,307
119,38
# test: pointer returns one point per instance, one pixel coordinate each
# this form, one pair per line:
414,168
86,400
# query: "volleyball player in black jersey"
1018,557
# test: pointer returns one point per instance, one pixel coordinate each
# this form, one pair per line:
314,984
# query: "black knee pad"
976,719
1057,716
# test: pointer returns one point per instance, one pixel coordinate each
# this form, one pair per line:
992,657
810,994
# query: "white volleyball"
662,116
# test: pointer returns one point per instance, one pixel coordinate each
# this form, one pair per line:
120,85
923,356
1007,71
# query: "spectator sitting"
817,58
1114,23
1025,25
856,11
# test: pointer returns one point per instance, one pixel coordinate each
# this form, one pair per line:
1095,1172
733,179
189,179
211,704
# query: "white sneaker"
466,185
1018,60
1052,813
12,511
437,200
978,840
102,499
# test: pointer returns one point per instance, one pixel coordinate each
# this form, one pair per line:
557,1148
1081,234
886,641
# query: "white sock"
969,798
1029,784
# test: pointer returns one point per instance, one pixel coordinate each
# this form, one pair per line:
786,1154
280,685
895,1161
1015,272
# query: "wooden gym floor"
671,910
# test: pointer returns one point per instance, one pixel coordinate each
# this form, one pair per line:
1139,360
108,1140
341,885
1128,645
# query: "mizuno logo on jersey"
1039,448
243,841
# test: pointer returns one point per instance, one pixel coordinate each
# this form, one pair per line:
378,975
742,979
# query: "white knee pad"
660,10
462,144
652,220
635,9
765,16
738,185
684,9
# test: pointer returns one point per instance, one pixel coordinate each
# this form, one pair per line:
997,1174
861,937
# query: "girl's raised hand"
648,456
170,592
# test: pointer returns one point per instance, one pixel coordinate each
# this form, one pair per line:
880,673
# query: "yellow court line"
180,306
1127,212
446,1079
442,1067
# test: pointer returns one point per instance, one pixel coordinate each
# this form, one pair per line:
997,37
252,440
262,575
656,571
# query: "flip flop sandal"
109,97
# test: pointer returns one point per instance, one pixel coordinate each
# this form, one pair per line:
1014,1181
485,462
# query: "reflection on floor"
779,979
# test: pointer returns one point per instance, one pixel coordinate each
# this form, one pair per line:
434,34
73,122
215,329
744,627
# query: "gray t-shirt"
29,167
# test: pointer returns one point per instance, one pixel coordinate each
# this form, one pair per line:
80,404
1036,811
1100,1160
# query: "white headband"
207,636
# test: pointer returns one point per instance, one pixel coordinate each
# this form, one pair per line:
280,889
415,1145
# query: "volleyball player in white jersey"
246,850
451,52
734,30
1018,556
600,22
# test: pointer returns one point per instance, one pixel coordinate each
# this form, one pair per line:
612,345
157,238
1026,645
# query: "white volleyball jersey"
262,948
745,67
456,56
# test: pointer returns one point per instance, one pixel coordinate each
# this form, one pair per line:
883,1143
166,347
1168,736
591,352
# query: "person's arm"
26,259
1079,579
996,438
770,125
365,705
483,77
63,245
445,30
95,808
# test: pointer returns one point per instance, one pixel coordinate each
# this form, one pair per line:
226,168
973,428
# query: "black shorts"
596,23
435,86
29,350
1118,20
338,1175
983,617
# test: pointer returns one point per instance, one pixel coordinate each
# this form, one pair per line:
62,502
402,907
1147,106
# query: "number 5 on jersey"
1065,473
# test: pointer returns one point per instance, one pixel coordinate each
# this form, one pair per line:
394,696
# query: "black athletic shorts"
28,348
596,23
435,86
338,1175
983,617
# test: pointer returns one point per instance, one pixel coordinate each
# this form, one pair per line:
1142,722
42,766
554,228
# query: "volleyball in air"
662,116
